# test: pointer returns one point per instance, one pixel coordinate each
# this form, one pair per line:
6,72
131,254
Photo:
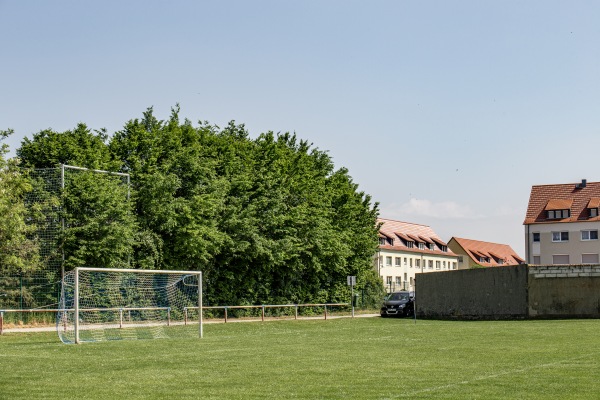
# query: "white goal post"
114,304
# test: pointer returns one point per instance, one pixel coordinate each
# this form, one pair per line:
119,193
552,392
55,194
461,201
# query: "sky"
444,112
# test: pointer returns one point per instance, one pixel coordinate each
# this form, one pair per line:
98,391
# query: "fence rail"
185,310
265,306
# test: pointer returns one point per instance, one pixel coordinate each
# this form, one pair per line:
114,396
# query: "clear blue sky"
446,112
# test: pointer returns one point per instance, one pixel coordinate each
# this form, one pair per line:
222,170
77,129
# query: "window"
444,248
422,246
388,261
381,261
388,280
431,246
500,261
405,261
405,277
560,259
382,241
536,236
444,264
398,281
593,212
410,245
410,262
417,263
484,259
453,265
437,265
397,261
412,281
590,259
430,264
536,260
560,236
559,214
589,235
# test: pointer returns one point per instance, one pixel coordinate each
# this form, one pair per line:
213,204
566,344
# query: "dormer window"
421,246
592,207
559,214
484,259
431,246
558,208
382,241
410,245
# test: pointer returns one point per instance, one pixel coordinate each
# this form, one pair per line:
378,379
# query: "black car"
398,304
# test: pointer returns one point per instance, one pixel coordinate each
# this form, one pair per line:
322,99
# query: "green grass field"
362,358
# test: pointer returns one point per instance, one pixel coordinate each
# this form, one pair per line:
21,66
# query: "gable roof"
576,197
414,233
492,251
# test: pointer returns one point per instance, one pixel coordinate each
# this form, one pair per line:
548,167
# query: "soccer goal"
100,304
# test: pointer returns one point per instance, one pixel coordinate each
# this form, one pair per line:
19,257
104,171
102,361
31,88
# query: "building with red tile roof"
562,223
476,253
406,249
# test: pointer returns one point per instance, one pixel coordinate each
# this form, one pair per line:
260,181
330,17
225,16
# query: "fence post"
1,321
325,311
120,318
225,314
169,316
185,315
263,313
296,311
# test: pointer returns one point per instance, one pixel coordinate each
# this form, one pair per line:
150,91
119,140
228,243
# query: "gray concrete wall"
485,293
564,291
552,291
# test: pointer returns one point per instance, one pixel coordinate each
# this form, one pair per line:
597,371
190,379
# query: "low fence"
327,309
264,307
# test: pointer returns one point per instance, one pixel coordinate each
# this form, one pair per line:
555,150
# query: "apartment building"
476,253
406,249
562,223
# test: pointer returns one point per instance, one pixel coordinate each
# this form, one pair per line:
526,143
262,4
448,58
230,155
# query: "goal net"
100,304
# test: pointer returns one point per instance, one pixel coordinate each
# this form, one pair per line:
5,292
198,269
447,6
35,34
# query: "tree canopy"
267,220
18,248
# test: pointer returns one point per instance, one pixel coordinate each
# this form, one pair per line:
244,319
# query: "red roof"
569,195
594,202
559,204
410,232
493,251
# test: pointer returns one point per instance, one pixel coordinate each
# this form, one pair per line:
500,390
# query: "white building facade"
407,249
562,224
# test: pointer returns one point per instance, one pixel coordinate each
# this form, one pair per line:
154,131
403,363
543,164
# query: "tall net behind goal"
114,304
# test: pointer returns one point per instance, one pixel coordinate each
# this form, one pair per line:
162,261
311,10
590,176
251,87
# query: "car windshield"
398,296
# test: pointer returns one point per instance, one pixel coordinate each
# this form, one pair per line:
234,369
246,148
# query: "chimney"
582,184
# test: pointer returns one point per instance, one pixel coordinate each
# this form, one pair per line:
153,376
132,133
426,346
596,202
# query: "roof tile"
580,198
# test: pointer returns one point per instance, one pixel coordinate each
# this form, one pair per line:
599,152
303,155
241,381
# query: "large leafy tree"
267,220
80,147
100,227
18,250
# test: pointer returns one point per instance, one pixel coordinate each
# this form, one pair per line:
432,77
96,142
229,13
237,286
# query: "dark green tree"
80,147
267,220
100,228
18,248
